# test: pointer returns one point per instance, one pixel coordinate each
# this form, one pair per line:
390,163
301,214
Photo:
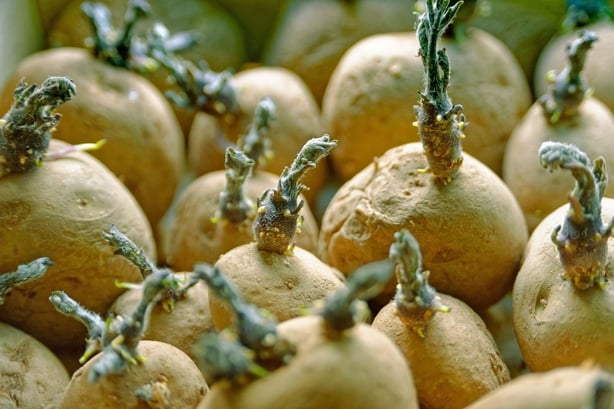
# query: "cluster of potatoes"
233,204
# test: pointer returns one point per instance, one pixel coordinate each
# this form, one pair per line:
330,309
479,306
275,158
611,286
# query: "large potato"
60,211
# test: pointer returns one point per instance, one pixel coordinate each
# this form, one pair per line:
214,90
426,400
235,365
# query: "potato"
362,369
283,284
556,324
597,72
182,326
367,103
271,272
31,376
538,192
193,236
457,360
561,300
569,387
145,147
453,357
167,377
471,229
60,210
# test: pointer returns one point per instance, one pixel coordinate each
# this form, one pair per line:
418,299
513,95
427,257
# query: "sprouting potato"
58,210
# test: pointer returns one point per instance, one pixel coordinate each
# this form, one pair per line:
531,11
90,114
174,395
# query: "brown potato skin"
60,211
298,120
555,324
193,237
285,285
498,320
368,103
597,69
538,191
471,232
570,387
361,370
456,363
145,147
182,327
31,376
162,361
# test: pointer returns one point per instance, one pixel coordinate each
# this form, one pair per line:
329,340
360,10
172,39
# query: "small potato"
31,376
457,360
189,319
167,378
283,284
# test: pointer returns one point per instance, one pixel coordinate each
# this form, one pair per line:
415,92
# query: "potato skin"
557,325
570,387
472,232
361,370
193,237
285,285
60,211
163,362
31,376
456,363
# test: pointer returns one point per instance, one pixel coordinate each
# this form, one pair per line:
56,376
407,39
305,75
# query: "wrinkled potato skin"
182,327
60,211
162,362
285,285
471,231
556,324
561,388
194,237
363,369
31,376
456,363
538,191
